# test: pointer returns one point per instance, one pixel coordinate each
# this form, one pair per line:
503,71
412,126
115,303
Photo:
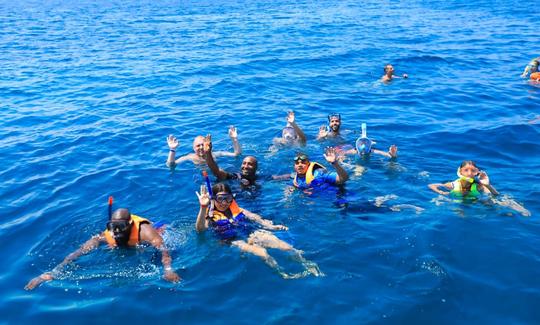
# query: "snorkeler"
331,130
312,174
363,147
532,67
123,230
389,74
470,186
291,134
219,211
248,171
197,157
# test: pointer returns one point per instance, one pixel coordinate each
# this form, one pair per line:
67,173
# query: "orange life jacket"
134,236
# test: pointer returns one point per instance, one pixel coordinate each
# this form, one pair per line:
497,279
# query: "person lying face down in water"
470,186
248,171
197,157
291,135
389,74
123,230
233,225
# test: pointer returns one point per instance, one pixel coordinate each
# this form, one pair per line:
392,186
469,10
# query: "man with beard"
247,175
331,130
197,157
123,230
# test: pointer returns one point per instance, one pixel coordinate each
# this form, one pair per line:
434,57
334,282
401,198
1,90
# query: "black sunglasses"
118,226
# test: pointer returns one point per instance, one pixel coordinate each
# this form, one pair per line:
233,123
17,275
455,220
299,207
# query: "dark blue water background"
89,90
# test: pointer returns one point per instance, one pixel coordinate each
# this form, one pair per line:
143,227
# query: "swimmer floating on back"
123,230
470,186
233,224
197,157
389,74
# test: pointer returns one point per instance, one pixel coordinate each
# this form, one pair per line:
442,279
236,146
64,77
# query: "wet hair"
465,185
386,66
221,187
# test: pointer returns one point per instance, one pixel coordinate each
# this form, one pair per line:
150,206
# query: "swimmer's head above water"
334,122
468,171
120,226
301,163
289,134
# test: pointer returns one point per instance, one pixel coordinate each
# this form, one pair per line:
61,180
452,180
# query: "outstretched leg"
267,239
258,251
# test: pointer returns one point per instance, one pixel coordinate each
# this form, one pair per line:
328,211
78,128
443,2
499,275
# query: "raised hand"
172,142
233,134
483,178
322,131
330,155
207,145
290,117
204,198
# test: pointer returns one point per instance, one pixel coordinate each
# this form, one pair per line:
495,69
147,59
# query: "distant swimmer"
363,147
123,230
470,186
197,157
332,129
248,170
309,174
291,134
389,74
232,224
532,69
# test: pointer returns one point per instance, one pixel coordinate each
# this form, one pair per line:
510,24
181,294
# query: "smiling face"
334,124
468,170
223,201
301,164
198,146
249,166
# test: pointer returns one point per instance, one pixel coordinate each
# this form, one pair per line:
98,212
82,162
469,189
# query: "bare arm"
233,134
149,234
297,129
204,201
331,156
211,162
435,188
392,152
268,224
88,246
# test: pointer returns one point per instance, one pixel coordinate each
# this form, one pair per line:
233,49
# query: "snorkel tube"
363,143
209,189
110,207
467,179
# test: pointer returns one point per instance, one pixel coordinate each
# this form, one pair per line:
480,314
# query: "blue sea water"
89,90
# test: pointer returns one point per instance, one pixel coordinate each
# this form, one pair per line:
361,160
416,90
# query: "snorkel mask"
120,229
465,178
336,127
289,134
363,144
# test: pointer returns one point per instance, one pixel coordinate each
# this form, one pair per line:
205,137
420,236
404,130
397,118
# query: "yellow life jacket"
309,173
134,236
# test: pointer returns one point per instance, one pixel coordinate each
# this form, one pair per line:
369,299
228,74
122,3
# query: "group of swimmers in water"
248,231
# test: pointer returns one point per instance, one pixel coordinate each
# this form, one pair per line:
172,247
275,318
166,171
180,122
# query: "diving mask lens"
302,158
224,198
118,226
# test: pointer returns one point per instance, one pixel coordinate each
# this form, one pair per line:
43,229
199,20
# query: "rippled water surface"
89,90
